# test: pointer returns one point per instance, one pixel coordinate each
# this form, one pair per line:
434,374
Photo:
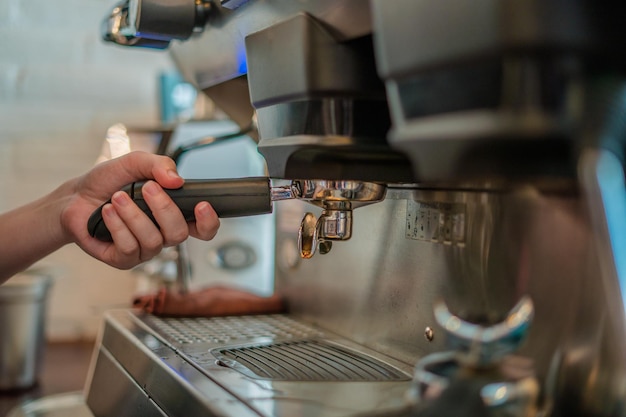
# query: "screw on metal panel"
429,334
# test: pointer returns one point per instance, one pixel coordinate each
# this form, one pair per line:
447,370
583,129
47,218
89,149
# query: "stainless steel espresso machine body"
487,278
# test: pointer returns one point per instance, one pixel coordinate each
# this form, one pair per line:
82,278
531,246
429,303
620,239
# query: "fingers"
125,242
141,165
137,239
112,175
207,223
173,225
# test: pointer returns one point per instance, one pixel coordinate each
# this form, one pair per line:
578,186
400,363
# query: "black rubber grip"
229,198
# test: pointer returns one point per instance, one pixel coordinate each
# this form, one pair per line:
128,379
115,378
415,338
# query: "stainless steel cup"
23,302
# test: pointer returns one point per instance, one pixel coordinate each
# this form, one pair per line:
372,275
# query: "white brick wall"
60,88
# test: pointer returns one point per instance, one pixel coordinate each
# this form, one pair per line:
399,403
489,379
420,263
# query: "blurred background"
61,88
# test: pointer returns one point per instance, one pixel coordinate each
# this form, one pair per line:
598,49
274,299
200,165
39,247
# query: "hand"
135,238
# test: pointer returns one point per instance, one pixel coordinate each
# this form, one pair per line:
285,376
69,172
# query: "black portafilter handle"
229,198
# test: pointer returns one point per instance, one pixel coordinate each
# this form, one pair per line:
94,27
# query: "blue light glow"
242,66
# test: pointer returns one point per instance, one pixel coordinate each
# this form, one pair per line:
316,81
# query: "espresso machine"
452,239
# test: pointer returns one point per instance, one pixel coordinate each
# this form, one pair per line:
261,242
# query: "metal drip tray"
305,360
269,366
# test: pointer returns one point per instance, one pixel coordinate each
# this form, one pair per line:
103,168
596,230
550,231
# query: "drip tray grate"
233,329
305,360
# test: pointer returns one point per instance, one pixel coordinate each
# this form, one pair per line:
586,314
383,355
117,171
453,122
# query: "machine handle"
229,198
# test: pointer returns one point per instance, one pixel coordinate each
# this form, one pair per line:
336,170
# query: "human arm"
39,228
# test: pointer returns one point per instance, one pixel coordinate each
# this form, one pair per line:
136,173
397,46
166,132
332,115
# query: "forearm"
33,231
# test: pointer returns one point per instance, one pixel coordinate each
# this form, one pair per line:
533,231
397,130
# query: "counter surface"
64,369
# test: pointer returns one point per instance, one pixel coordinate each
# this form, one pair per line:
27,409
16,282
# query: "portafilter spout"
337,199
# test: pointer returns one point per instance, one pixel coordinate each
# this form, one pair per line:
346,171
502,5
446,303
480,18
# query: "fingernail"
120,198
107,210
204,208
173,174
151,188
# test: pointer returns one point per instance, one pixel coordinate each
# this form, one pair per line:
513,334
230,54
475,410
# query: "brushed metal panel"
379,287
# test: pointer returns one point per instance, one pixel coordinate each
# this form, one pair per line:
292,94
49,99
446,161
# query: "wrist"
60,203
